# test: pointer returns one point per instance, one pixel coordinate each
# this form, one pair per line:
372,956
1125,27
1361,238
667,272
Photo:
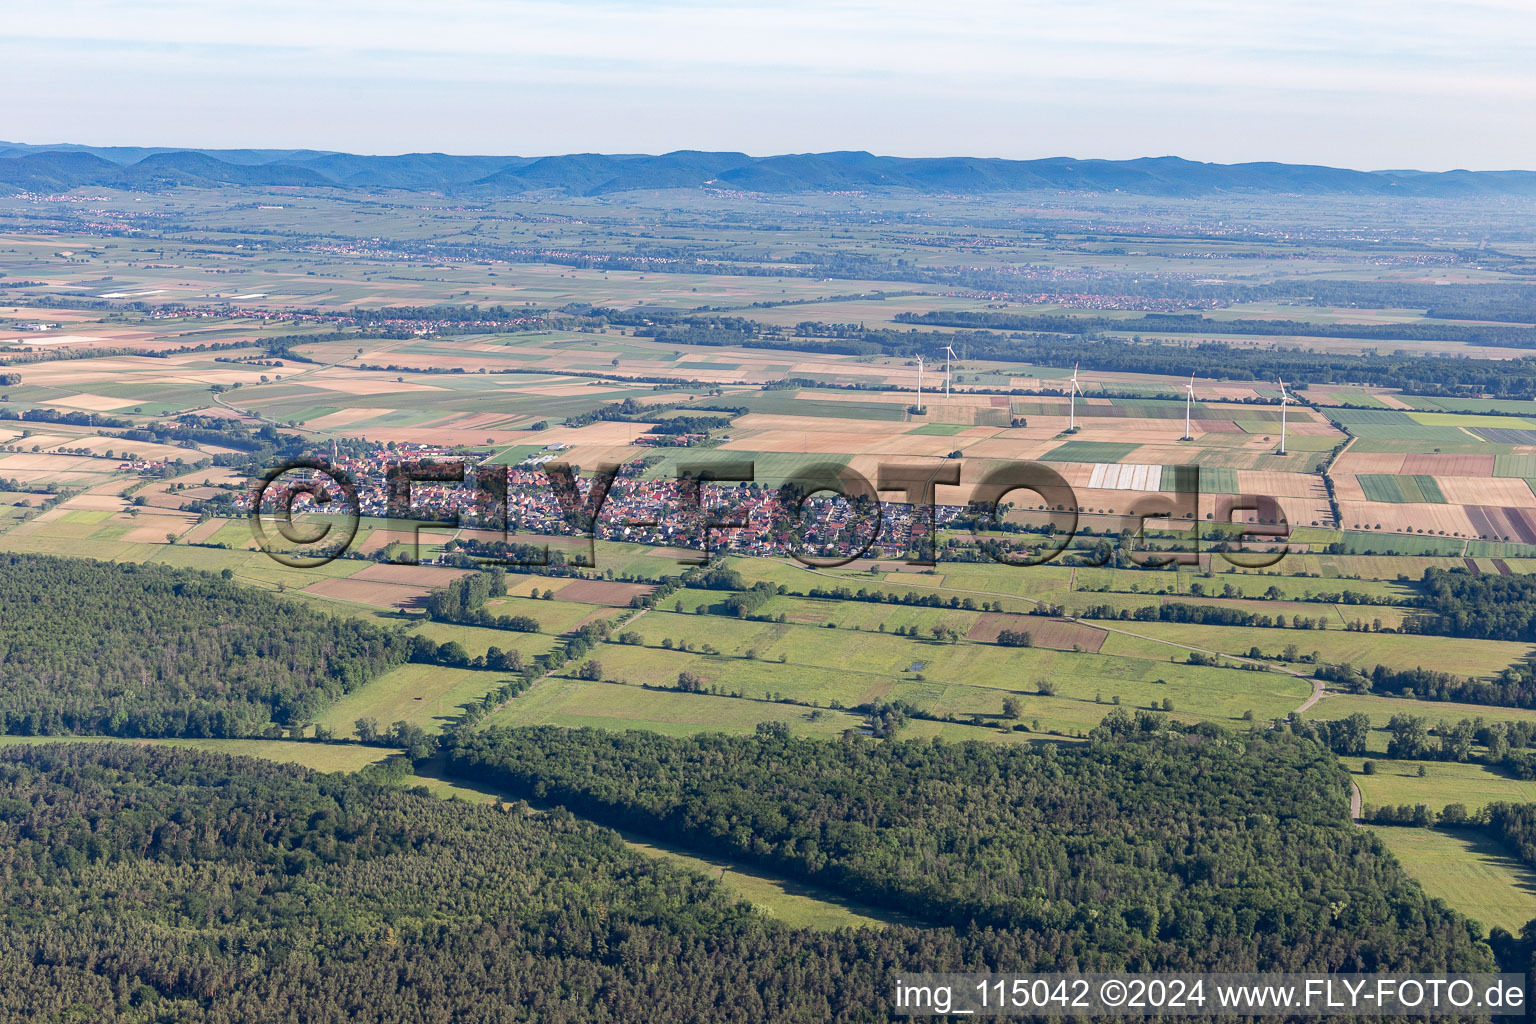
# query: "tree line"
1511,688
1193,323
1216,360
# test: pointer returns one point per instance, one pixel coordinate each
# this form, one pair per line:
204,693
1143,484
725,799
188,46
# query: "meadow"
1445,782
1471,873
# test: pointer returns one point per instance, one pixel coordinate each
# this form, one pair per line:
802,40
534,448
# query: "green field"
1400,651
793,903
429,696
322,757
811,403
477,639
769,468
514,455
1402,544
1089,451
1468,405
554,616
1445,782
1380,709
1469,419
1467,870
572,703
1401,488
856,666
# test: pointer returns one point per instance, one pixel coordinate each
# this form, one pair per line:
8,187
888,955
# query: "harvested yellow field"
344,417
1353,463
1282,485
91,403
1416,518
1506,492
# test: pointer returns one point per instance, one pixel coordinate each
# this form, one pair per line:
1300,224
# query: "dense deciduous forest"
149,650
1515,825
1490,607
1155,844
147,885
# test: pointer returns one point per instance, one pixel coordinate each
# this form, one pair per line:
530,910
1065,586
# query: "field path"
1355,800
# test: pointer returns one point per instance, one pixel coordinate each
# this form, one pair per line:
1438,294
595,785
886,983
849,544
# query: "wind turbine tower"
1072,402
1189,403
949,350
1285,399
919,383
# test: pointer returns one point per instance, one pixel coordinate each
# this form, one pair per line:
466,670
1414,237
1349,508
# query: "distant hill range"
62,167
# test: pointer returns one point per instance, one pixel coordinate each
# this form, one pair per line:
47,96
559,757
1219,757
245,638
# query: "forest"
1514,825
148,650
144,885
1155,844
1461,603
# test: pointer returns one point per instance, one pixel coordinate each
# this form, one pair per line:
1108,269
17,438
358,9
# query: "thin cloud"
1366,83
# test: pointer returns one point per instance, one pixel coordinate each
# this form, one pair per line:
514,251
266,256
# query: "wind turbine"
1072,402
949,350
919,383
1189,402
1285,398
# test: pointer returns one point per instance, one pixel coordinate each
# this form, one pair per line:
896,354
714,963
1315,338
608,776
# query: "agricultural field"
614,706
1398,782
1476,876
321,757
427,696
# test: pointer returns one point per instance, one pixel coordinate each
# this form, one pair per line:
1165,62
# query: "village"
745,518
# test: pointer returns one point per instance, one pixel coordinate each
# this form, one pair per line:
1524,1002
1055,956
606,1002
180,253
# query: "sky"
1370,84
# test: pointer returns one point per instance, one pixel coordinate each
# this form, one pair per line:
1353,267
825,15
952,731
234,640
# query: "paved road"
1317,695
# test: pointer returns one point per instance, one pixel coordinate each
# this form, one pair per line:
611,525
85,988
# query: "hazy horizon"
1371,85
172,147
